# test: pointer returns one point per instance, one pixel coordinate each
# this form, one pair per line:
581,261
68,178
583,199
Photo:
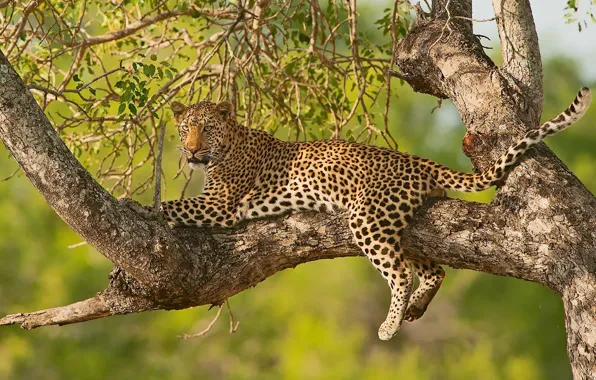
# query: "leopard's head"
203,129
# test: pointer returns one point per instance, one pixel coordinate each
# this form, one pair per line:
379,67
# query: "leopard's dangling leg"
430,277
382,248
400,279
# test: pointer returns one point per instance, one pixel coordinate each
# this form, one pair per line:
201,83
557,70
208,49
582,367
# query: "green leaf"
132,108
127,96
153,57
149,70
76,78
121,108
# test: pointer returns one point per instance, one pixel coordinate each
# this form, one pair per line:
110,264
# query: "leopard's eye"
207,128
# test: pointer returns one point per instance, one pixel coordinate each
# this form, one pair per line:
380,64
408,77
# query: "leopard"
251,174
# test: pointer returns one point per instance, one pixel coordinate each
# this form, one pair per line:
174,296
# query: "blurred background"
319,320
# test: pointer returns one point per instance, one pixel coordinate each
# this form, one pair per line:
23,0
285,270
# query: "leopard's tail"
467,182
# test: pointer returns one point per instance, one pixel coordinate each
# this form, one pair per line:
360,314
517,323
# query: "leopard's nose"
192,151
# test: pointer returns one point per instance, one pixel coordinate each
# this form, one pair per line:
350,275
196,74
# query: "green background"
318,321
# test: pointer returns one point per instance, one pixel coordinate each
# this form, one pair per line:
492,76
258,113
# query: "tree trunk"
540,227
542,208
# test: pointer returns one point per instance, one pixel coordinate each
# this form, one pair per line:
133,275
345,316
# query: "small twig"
396,74
157,194
186,183
206,330
480,36
11,174
233,327
475,19
439,104
394,144
446,26
77,245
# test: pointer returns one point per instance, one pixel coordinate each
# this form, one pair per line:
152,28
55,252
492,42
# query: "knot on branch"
434,54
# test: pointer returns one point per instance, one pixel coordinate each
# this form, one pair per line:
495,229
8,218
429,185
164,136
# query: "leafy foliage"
573,13
104,72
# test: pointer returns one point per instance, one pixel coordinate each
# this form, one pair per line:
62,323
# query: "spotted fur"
251,174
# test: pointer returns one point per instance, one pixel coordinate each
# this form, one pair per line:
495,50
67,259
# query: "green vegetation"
316,321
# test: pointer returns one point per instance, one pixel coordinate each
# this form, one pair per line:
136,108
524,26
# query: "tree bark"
539,227
542,206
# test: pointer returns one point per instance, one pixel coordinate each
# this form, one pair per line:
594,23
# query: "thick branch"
232,260
91,211
520,51
580,323
541,195
452,9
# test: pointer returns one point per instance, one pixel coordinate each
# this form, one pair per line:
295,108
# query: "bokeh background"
319,320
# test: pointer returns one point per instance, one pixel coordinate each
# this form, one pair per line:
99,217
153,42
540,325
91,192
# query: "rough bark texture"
520,50
542,208
539,228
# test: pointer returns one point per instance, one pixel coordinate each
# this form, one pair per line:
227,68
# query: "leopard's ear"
225,109
178,109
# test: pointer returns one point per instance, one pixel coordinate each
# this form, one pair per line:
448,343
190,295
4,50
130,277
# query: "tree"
256,54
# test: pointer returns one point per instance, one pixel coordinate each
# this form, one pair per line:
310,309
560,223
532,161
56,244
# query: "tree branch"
82,311
90,210
537,205
232,260
147,21
520,52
